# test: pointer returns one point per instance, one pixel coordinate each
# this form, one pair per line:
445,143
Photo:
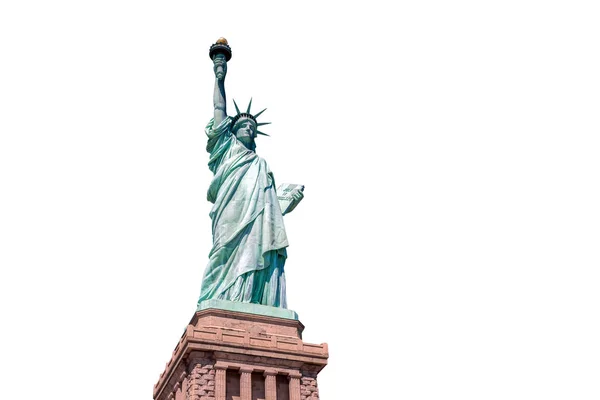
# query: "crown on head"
248,115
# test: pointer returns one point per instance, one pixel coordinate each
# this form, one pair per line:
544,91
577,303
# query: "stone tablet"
284,195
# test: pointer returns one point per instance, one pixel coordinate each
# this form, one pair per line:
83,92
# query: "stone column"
270,384
220,382
245,383
294,379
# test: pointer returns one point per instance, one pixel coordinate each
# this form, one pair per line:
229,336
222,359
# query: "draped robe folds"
249,241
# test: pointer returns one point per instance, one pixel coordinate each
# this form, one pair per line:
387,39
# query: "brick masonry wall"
308,386
202,380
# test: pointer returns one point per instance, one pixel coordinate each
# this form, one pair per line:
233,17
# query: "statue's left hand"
297,196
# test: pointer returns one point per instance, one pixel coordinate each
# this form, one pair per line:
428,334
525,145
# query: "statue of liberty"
246,262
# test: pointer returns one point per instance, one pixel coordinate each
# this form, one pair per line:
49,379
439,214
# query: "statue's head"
244,130
245,127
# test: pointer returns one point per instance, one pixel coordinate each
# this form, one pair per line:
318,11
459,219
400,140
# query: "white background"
448,243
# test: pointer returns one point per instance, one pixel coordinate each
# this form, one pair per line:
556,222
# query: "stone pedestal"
231,355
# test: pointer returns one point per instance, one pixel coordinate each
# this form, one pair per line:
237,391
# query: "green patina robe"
248,254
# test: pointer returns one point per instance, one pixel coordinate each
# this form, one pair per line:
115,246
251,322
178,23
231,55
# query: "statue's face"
245,133
220,65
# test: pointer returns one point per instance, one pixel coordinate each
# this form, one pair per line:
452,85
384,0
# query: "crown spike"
262,123
256,116
236,107
261,133
249,104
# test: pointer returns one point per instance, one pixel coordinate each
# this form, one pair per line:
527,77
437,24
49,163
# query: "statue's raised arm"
220,52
